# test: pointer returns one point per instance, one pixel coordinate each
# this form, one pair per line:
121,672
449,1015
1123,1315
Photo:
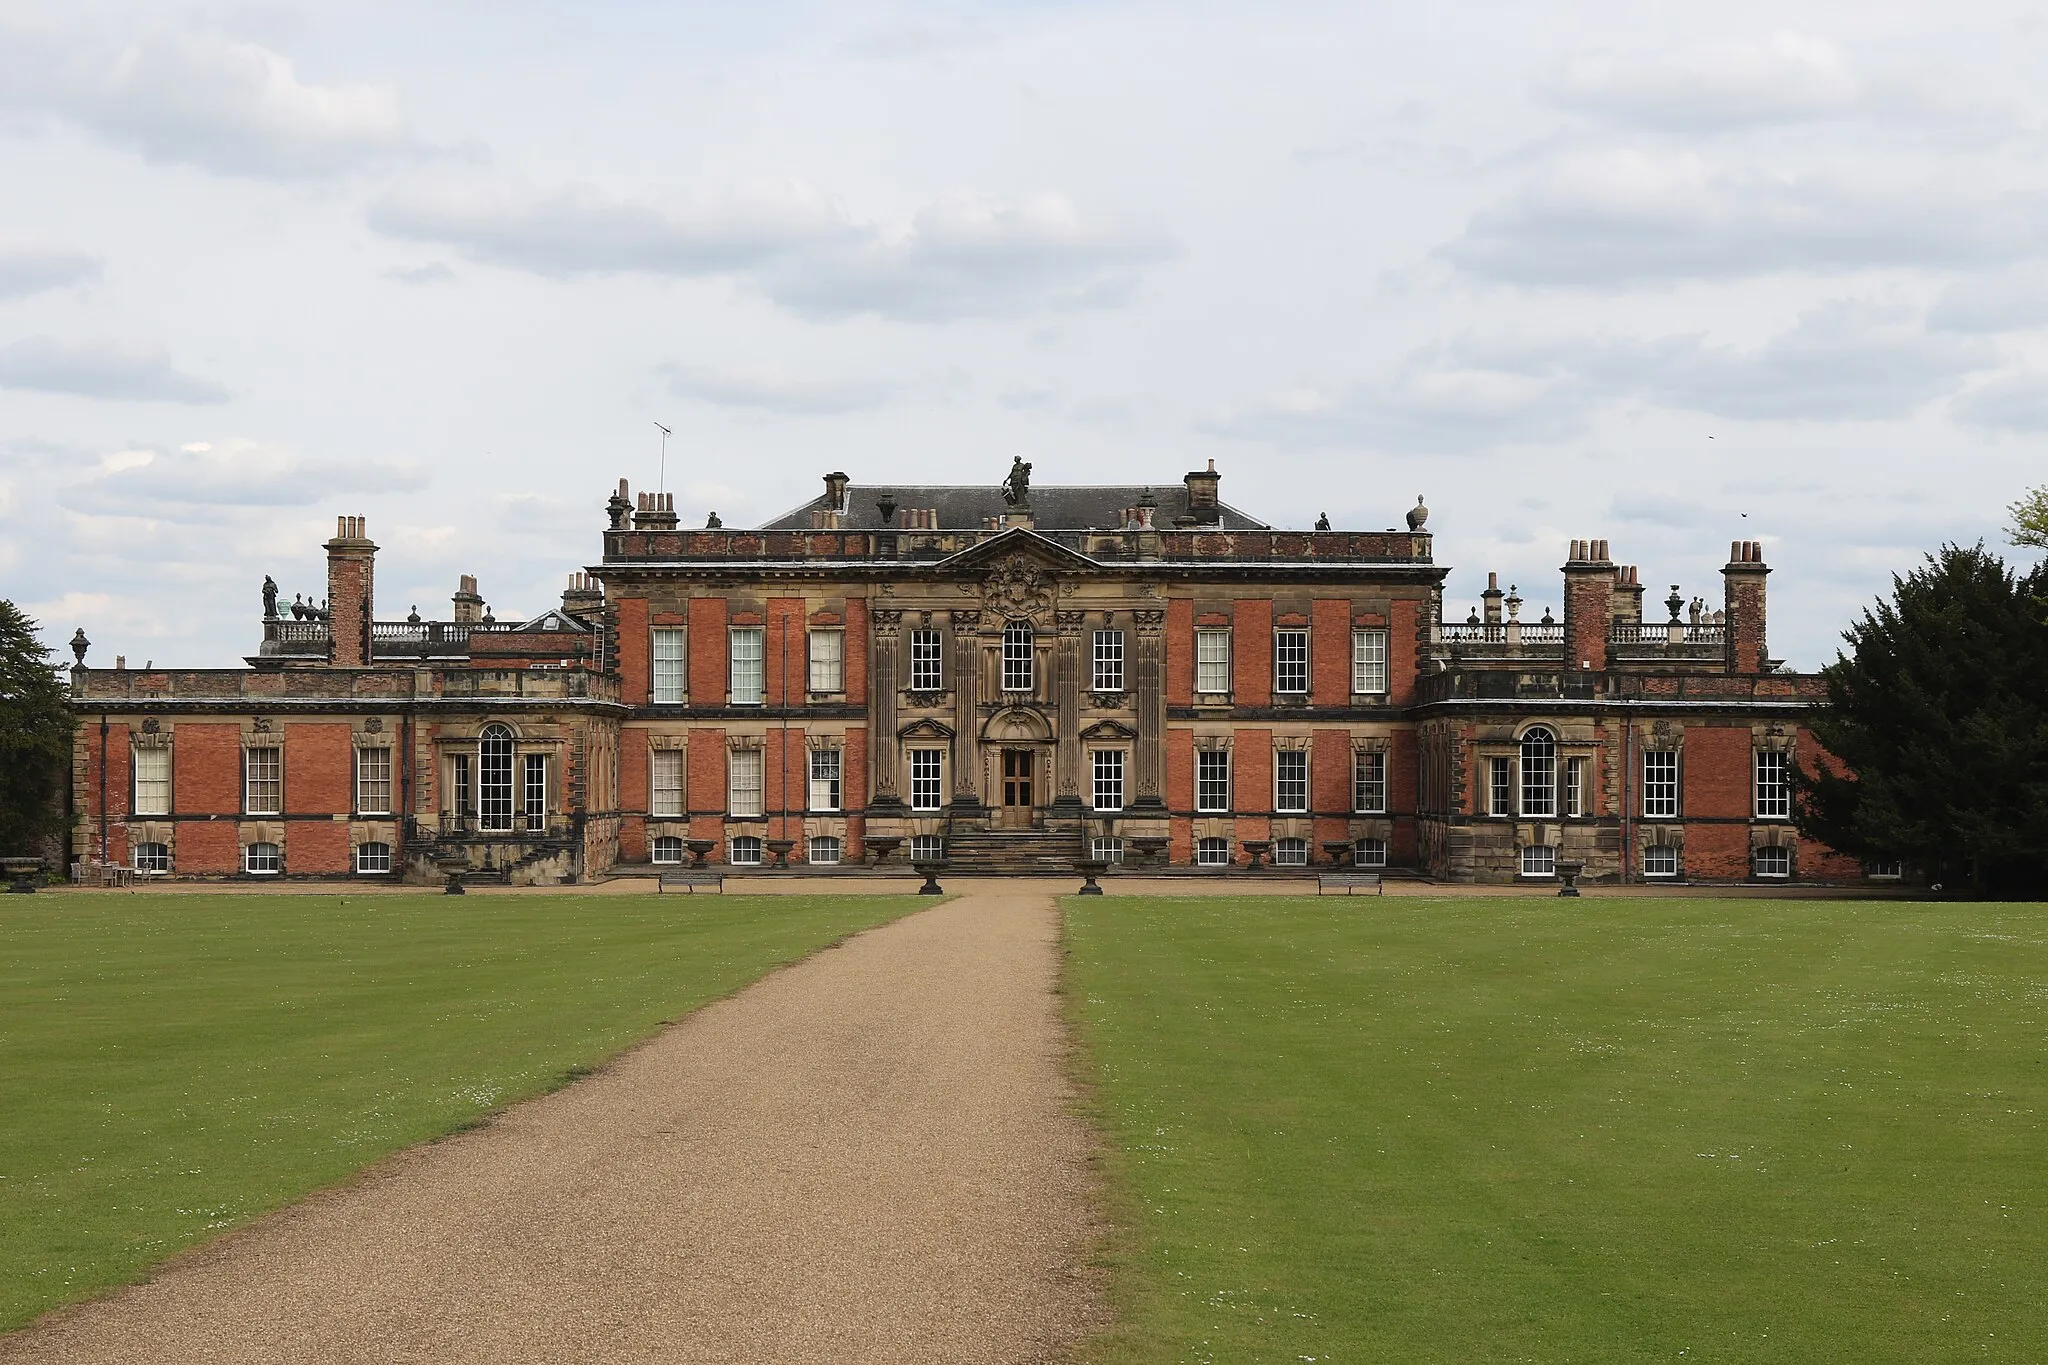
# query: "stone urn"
1339,851
700,849
1258,849
780,848
930,871
21,874
1568,873
452,870
1090,869
1150,848
882,847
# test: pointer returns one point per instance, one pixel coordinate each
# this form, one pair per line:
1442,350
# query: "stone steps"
1014,853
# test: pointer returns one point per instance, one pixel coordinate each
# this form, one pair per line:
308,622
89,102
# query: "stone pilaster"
1068,669
886,625
1148,674
966,723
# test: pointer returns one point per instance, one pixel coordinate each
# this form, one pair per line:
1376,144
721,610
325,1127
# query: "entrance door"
1017,795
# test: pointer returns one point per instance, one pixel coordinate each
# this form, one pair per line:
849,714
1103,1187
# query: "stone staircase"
1013,853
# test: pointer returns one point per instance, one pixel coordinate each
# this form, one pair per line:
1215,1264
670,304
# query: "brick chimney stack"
1628,595
1490,600
351,592
1205,508
1743,590
469,604
1588,605
655,512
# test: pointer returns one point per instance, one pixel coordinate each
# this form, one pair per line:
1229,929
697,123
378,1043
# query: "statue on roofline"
1017,488
269,598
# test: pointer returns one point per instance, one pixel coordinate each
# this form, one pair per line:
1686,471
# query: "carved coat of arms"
1018,587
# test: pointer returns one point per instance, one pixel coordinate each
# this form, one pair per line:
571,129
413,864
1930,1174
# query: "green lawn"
1401,1130
171,1065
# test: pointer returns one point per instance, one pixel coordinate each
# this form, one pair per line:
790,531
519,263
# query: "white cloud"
1440,402
773,391
203,482
963,256
1998,301
102,369
26,270
199,98
433,272
1788,77
2011,403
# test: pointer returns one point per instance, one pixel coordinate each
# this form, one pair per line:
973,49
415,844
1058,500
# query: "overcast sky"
1670,275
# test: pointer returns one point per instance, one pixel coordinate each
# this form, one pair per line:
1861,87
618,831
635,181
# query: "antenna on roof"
661,484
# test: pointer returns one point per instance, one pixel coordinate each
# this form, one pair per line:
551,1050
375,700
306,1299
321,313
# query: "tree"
35,736
1939,718
2030,520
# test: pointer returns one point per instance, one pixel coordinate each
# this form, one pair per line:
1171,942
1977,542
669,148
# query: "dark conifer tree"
35,737
1939,712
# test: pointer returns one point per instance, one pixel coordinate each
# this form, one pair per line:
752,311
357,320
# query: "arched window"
494,778
667,848
373,859
1017,656
1539,772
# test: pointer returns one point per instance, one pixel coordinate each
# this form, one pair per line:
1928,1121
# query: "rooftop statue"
1017,488
269,598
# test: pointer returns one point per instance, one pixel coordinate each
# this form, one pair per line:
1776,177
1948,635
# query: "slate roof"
1072,507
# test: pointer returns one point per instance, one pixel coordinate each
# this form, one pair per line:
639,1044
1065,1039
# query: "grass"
173,1065
1528,1130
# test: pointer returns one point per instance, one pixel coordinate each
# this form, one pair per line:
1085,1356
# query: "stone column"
1068,670
966,724
1148,673
886,627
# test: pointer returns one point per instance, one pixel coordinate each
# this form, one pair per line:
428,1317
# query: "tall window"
744,644
1660,784
373,781
1212,662
669,685
1574,786
1539,772
462,796
262,782
927,661
1290,781
1212,780
494,779
828,661
1369,781
1109,779
743,782
1290,661
152,781
1773,785
533,795
665,793
825,780
926,768
1499,788
1109,661
1368,661
1017,656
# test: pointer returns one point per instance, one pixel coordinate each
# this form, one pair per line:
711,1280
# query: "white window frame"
1290,792
927,660
1500,787
263,780
1290,852
1776,853
1369,781
828,662
1212,794
533,789
753,850
370,864
273,860
373,773
670,844
1885,869
1106,848
1107,766
1664,854
1368,663
669,680
1019,671
1107,674
1575,786
1212,662
1660,784
158,863
496,795
827,772
746,665
927,779
668,783
744,781
1212,852
927,848
1538,761
1369,852
815,846
1290,661
152,781
1539,860
1773,771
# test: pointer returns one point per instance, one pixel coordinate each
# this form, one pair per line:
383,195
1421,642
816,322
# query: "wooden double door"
1018,797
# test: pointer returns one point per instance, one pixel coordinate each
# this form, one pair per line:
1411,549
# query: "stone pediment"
1109,729
1019,543
926,728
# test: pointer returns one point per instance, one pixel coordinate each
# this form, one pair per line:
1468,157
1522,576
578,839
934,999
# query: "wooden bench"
691,877
1350,881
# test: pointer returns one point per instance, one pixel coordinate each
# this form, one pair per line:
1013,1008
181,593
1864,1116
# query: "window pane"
1539,772
1290,661
261,858
667,849
669,685
534,797
1574,782
1774,862
152,857
152,781
1212,661
926,766
746,850
743,782
464,800
1369,781
824,848
373,781
1368,661
927,666
1500,792
825,764
1109,661
1539,861
1109,779
1773,785
745,642
373,858
494,779
1290,781
1660,860
828,661
1369,853
264,772
1212,780
1290,852
1212,852
1106,848
1660,784
1017,652
927,848
666,793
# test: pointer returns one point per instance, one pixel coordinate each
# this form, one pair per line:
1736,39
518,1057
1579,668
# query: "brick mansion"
1005,677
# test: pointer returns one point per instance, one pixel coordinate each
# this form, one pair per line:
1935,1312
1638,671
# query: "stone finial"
1418,515
79,644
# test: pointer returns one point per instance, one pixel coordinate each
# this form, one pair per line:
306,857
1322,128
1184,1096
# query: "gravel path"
865,1157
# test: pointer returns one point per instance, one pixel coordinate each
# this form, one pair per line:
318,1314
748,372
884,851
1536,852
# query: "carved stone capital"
966,622
1150,622
1071,622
